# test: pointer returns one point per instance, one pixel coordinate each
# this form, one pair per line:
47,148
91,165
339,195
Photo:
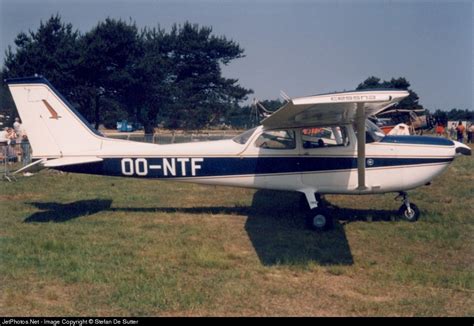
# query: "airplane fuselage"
395,163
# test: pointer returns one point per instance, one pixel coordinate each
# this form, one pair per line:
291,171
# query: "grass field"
88,245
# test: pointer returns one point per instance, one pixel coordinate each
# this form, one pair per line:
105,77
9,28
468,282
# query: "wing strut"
360,127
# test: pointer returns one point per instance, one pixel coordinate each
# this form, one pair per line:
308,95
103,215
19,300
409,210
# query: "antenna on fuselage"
284,96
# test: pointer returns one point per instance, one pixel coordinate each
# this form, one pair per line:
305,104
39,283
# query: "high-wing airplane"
316,145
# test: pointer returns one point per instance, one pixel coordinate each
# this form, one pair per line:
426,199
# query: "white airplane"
355,158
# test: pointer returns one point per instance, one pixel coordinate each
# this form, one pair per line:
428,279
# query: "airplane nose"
462,149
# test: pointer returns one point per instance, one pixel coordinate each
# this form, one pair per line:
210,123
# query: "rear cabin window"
324,137
276,139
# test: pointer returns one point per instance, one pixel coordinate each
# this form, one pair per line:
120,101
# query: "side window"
324,137
276,139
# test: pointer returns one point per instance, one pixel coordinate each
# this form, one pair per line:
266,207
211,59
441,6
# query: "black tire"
319,219
410,217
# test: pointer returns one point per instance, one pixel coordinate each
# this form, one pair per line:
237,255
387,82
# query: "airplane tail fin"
54,128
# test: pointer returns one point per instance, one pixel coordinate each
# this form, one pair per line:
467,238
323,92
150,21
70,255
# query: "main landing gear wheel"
319,219
411,213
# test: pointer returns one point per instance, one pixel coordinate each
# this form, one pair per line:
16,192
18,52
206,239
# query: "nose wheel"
408,211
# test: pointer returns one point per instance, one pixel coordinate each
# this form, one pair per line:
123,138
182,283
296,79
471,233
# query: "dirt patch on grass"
44,298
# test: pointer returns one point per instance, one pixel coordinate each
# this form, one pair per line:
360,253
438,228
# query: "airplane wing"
336,108
330,109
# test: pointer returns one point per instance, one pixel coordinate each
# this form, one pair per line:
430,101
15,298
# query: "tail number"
129,167
169,167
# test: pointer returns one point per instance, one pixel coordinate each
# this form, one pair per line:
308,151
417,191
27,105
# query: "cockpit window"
372,132
244,137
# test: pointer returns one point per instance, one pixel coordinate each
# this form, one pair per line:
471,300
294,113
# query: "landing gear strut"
408,211
318,218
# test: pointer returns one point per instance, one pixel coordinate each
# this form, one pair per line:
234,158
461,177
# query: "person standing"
460,132
4,135
25,150
440,130
4,141
11,152
452,131
17,128
470,133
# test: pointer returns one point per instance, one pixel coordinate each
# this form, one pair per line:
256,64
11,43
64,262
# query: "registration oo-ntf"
316,145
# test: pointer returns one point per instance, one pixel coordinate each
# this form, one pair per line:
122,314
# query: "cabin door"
327,159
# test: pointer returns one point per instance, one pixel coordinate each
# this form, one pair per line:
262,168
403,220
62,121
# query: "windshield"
244,137
374,131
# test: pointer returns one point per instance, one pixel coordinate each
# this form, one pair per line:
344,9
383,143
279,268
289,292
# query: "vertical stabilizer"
53,126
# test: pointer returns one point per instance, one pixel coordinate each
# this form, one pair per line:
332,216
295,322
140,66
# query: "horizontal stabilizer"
63,161
36,165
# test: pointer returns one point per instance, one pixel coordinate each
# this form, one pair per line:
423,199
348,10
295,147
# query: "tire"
319,219
410,217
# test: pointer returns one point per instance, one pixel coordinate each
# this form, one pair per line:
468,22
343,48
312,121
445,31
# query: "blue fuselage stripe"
226,166
417,140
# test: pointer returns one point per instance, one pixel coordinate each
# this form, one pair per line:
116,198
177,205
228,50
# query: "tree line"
116,71
411,101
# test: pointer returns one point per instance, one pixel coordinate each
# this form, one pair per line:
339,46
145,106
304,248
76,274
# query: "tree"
151,92
370,83
441,117
200,94
51,51
109,52
114,71
7,107
410,102
457,114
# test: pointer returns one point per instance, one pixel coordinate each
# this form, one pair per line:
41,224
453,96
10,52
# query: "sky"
302,47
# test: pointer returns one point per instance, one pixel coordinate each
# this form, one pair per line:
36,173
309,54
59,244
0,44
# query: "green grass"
88,245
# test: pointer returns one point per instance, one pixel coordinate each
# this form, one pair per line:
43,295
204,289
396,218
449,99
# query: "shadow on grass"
275,225
347,215
57,212
279,235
